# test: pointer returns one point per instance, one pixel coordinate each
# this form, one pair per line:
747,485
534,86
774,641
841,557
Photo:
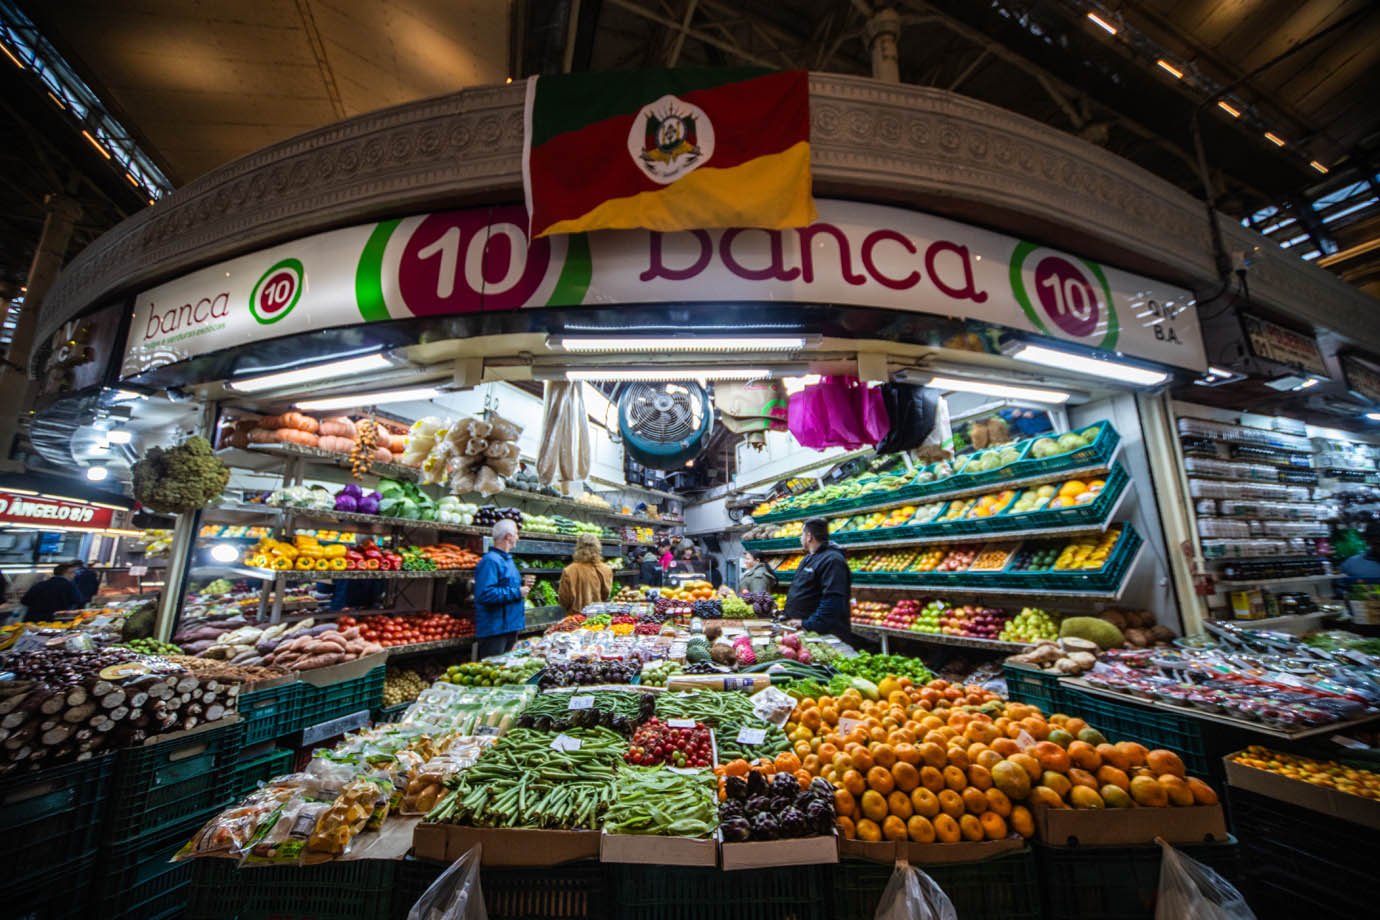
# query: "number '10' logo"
1071,300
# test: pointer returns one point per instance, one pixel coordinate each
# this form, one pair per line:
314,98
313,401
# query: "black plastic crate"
168,783
411,878
257,766
47,816
136,880
356,890
572,891
679,893
1297,858
322,704
1119,883
61,893
1003,888
1154,728
271,713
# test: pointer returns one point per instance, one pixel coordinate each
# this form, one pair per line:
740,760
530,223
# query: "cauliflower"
179,479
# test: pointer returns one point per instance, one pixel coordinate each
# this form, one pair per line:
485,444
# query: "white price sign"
564,742
752,736
681,723
581,702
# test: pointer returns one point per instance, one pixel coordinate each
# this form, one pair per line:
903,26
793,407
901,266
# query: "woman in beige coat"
587,580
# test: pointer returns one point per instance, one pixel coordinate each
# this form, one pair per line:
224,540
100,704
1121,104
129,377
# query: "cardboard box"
802,851
658,850
504,846
1129,826
929,854
1321,799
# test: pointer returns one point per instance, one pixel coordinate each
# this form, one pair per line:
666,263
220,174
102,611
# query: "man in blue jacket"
821,591
498,594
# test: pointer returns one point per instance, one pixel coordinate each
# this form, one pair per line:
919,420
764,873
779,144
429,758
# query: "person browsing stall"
498,594
757,577
53,594
587,580
822,587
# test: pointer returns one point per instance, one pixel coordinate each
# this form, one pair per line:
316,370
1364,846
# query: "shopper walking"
498,594
757,577
587,580
87,580
822,588
649,570
53,594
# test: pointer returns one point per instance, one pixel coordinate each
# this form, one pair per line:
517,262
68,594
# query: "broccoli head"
180,479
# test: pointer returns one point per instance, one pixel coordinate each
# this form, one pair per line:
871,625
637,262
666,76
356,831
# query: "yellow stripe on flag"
772,192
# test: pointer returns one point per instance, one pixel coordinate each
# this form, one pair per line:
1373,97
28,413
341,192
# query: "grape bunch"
762,604
709,609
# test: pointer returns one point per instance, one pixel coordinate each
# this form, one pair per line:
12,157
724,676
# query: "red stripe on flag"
574,172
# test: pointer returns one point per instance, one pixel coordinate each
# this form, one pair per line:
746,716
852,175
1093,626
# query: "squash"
339,427
296,436
263,436
335,443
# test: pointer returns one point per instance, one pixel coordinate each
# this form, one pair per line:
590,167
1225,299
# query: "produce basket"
1119,883
61,892
1036,687
777,543
936,486
1105,579
322,704
1301,862
349,890
171,782
50,816
272,712
970,477
392,713
1090,513
1152,727
258,767
135,879
1098,452
1002,888
677,893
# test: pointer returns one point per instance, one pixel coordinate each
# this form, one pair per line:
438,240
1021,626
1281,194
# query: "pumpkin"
336,443
339,427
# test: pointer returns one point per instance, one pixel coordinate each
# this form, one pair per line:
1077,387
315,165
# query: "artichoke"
785,786
793,823
765,827
736,788
757,784
736,830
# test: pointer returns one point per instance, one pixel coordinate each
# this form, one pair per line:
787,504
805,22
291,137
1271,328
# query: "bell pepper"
282,564
322,564
338,564
335,551
304,564
372,562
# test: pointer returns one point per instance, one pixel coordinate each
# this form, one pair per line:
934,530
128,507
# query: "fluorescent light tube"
96,473
1230,109
317,373
962,385
1219,372
1103,24
1170,69
1274,138
119,436
410,394
1318,166
693,343
1373,416
655,374
1082,364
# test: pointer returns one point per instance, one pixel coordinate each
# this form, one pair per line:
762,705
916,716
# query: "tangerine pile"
944,762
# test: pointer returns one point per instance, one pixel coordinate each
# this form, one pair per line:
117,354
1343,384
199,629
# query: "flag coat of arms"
676,150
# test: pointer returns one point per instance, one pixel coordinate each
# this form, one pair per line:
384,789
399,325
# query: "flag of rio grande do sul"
674,150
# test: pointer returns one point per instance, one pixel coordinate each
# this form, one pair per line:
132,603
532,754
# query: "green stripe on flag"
575,101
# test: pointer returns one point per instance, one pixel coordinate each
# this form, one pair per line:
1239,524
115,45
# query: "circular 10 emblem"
277,292
1070,298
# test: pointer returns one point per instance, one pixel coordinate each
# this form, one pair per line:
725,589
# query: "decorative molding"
890,143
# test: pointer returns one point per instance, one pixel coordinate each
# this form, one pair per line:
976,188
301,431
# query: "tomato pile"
655,742
410,629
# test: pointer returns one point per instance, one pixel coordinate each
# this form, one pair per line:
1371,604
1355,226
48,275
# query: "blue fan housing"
664,424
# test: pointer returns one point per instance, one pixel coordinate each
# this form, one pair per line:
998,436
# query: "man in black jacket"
822,588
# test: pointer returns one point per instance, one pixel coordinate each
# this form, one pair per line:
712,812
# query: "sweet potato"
320,661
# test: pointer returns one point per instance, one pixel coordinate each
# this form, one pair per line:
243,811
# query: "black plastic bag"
912,410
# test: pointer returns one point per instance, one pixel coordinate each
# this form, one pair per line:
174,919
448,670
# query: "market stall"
1026,691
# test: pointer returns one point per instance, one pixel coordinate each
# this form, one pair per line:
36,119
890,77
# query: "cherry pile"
655,742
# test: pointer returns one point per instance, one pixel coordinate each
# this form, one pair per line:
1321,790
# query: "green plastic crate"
271,713
47,816
1036,687
355,890
1003,888
995,477
1118,883
62,892
775,543
258,767
682,893
167,783
1152,727
1098,452
322,704
135,879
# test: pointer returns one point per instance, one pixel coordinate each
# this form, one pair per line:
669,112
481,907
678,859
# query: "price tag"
138,571
847,725
486,731
580,702
564,742
686,771
680,723
752,736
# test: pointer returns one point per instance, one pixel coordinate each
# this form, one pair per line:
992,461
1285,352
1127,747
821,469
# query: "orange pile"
945,762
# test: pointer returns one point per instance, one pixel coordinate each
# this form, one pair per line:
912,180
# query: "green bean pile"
523,782
729,713
653,800
621,702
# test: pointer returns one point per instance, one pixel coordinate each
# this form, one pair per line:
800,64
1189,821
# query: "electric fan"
664,424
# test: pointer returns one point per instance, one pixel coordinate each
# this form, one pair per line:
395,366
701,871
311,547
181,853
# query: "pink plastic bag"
837,412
